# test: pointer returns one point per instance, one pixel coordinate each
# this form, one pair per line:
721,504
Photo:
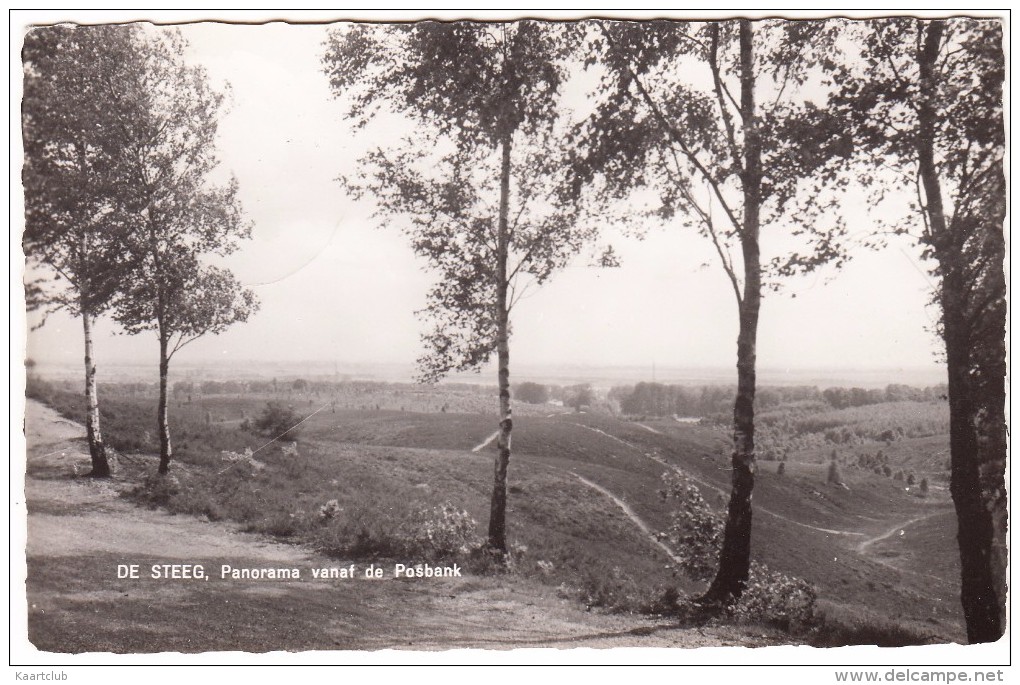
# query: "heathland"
852,518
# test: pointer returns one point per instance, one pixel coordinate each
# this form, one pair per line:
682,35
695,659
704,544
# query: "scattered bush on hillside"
771,444
440,531
776,599
695,531
277,420
330,510
833,477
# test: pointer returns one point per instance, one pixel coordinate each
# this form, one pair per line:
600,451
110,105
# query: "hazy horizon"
556,374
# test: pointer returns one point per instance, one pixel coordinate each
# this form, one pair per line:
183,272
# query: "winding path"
633,517
488,441
705,484
898,528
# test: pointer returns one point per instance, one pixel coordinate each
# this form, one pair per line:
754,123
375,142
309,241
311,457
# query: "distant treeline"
657,399
312,387
290,386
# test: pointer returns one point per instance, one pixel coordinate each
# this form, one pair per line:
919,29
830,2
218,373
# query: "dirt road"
80,531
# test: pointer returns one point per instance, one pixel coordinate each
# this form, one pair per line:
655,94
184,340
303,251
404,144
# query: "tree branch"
713,61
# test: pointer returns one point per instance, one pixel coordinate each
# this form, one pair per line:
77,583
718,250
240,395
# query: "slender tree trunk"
97,450
735,557
497,514
165,452
982,590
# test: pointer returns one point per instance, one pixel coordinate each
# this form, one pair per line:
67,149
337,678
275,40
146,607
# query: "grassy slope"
849,580
384,465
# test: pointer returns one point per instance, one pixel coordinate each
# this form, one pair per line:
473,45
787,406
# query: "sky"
336,287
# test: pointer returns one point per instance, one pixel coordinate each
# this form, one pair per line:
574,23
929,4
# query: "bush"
277,420
696,536
157,490
695,531
330,510
403,532
833,477
776,599
579,396
439,532
532,393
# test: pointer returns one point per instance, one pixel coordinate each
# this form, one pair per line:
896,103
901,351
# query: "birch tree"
477,187
74,179
712,117
180,216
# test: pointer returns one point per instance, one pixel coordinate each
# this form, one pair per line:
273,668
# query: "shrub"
440,531
776,599
278,420
924,486
833,477
398,531
330,510
782,468
837,626
695,531
696,536
611,588
157,490
532,393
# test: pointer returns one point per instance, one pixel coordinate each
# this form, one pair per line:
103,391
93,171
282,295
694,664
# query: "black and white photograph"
636,339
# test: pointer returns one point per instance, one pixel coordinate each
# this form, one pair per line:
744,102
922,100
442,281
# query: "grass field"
392,472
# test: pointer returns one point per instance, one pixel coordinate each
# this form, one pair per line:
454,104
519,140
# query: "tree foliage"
74,170
532,393
276,419
181,216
